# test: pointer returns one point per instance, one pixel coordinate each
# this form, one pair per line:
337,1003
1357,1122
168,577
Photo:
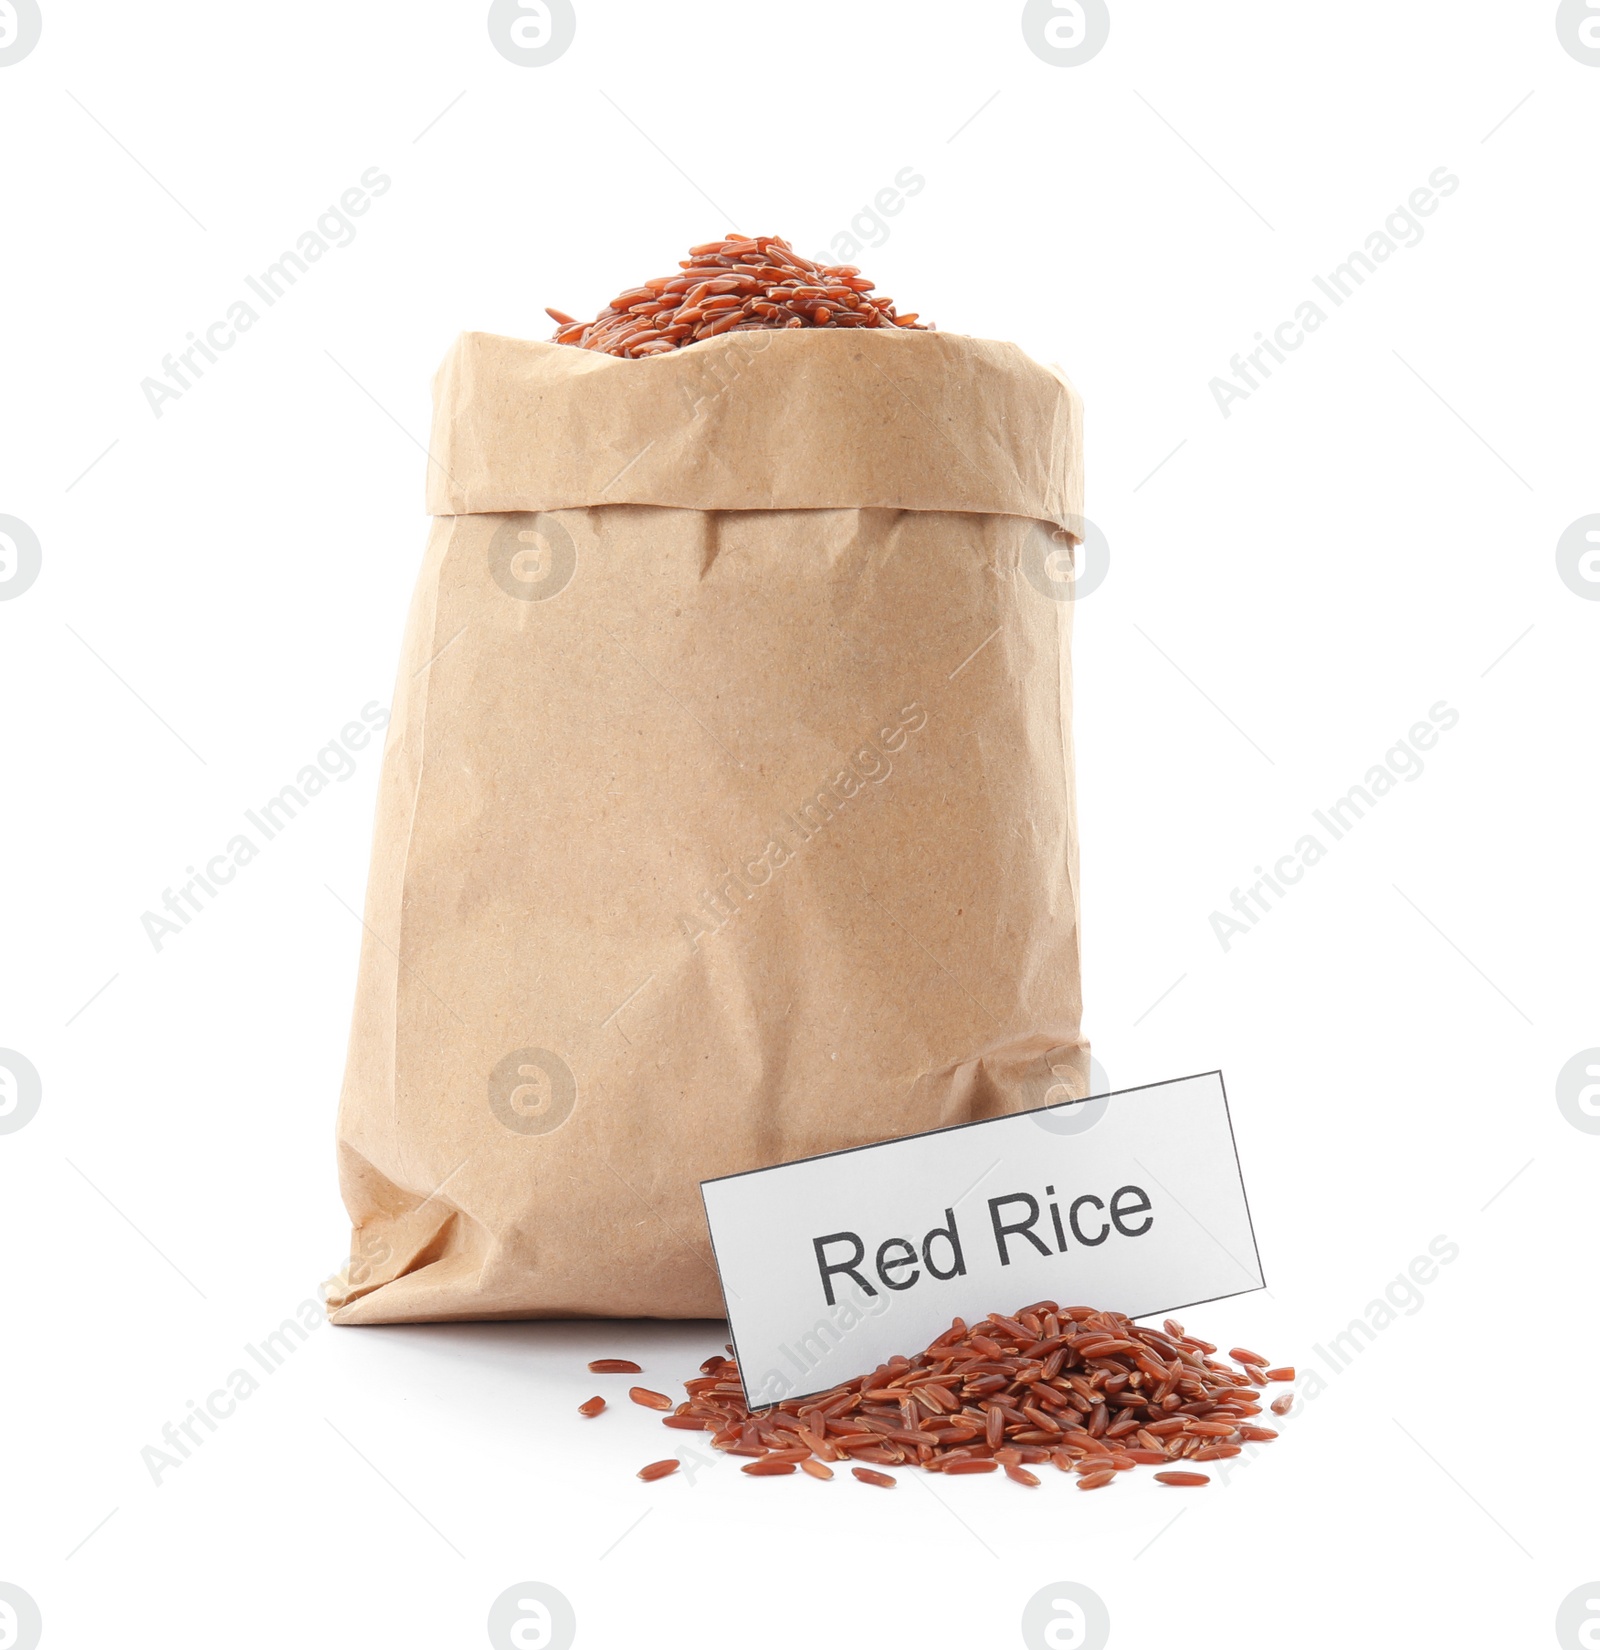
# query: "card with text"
1130,1201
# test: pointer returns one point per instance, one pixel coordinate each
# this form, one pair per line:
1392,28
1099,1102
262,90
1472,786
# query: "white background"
1289,591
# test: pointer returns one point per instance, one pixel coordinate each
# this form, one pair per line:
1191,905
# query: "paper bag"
727,810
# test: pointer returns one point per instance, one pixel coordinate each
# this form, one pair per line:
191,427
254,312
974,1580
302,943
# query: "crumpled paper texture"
727,811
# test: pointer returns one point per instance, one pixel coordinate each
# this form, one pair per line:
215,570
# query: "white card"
1130,1201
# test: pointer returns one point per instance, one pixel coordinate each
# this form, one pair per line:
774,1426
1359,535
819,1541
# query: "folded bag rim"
960,424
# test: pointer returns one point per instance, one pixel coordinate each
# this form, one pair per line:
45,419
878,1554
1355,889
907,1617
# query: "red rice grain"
614,1366
755,284
1283,1373
1090,1392
592,1407
657,1469
1282,1406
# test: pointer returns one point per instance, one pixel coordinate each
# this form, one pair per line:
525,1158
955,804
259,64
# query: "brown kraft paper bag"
727,812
